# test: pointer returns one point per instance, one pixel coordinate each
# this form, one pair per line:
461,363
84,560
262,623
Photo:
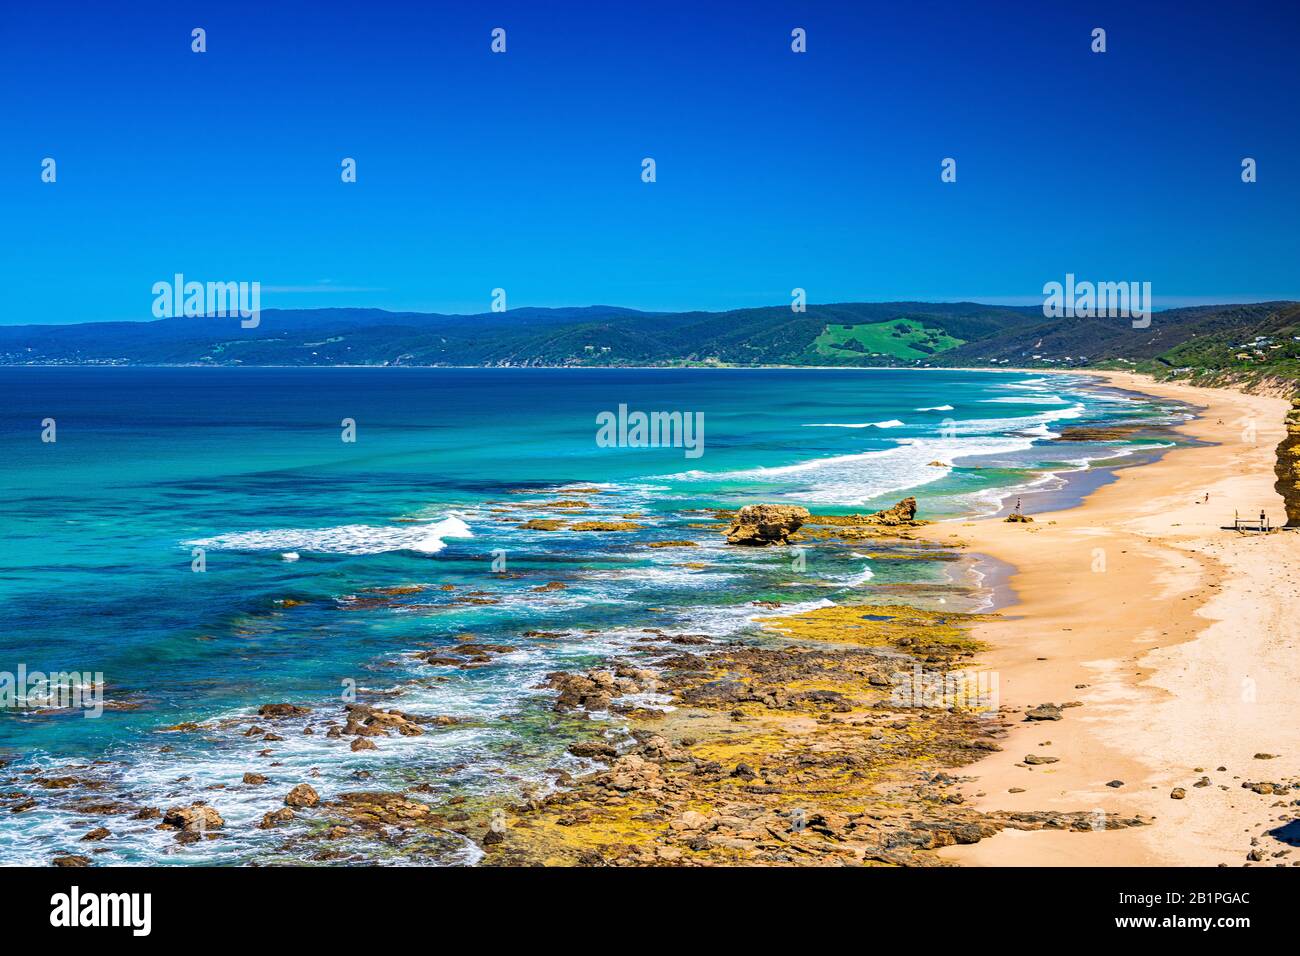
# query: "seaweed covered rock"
1097,433
282,710
901,515
759,525
378,808
1287,467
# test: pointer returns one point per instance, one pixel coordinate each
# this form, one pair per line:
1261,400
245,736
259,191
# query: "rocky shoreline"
788,756
792,749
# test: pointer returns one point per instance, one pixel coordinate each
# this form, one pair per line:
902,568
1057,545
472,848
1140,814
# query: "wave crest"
344,539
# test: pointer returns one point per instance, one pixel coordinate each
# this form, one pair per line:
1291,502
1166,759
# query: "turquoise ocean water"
299,529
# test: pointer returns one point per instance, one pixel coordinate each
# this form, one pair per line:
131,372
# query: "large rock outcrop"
902,513
759,525
1287,467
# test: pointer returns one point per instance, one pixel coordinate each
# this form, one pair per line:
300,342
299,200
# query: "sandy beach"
1177,638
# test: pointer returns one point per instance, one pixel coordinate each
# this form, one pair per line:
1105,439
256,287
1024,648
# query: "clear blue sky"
522,170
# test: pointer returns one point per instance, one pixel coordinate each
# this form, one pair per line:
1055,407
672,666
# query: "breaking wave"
344,539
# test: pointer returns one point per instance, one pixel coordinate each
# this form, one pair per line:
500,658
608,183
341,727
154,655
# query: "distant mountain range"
1262,336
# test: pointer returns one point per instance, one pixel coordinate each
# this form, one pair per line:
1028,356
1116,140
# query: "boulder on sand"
759,525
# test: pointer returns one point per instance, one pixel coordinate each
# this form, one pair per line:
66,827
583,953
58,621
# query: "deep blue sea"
299,530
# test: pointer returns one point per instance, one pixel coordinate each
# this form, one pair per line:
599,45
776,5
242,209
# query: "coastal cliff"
1287,467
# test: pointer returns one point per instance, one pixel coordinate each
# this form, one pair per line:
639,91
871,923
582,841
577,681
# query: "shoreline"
1066,488
1170,632
794,750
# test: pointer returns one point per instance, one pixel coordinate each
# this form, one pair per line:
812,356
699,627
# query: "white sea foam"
862,577
1039,431
858,478
891,423
1026,400
936,408
1022,423
1025,383
344,539
722,621
670,576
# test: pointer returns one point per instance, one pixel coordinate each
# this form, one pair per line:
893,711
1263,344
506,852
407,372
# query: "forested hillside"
1255,338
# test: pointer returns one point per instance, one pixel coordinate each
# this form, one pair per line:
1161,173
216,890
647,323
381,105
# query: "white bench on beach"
1251,524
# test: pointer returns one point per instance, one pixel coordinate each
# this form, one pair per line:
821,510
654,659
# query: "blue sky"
522,171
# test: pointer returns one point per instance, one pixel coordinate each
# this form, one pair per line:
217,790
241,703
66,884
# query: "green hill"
898,338
1261,339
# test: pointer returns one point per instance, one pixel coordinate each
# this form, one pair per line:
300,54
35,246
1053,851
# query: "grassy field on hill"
900,338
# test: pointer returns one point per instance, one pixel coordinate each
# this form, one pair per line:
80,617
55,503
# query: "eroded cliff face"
1287,468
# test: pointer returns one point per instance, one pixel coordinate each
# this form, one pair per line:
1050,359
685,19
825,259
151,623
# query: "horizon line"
1160,304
